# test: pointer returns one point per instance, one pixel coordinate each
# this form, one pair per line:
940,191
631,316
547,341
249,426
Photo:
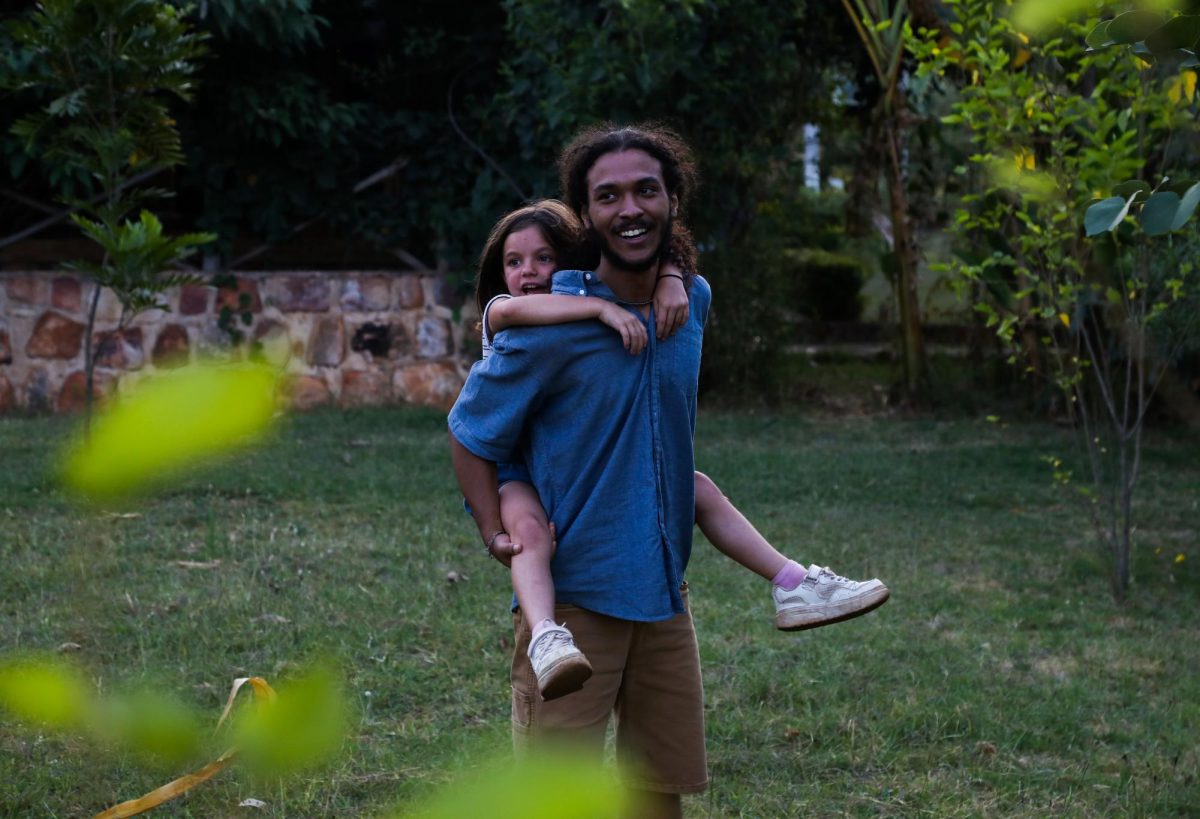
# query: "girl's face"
529,262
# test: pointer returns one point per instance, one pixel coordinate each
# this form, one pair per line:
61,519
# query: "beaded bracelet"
491,541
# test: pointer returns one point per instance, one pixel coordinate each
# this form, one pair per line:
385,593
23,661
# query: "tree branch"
371,180
487,158
61,215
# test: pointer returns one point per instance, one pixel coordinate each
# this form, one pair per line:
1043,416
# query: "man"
607,438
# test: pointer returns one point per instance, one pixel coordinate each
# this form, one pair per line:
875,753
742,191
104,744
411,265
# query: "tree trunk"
916,376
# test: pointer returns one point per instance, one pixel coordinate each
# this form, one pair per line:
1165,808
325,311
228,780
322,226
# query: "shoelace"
837,578
553,639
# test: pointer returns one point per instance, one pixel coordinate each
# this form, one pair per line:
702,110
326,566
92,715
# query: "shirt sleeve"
487,330
701,298
504,390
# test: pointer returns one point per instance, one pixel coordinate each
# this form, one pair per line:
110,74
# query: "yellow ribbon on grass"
262,690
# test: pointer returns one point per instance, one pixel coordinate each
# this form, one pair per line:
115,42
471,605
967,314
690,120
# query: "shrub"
827,286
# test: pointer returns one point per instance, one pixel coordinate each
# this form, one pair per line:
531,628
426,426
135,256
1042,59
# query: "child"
521,254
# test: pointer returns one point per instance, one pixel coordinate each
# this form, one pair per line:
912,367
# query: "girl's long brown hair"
561,229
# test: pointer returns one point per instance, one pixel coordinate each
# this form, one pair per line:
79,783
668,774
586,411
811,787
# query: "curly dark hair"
576,160
659,141
560,227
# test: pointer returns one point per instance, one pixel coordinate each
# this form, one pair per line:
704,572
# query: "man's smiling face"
629,210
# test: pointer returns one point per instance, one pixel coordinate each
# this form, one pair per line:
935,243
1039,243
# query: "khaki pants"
645,674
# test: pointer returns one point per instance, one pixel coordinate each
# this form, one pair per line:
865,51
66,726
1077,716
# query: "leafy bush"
828,286
759,288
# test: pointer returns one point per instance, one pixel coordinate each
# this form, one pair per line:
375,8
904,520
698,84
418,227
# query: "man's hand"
503,549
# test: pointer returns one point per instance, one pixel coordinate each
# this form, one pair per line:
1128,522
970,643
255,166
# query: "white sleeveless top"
487,332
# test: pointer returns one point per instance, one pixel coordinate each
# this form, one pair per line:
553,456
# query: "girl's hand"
633,332
670,302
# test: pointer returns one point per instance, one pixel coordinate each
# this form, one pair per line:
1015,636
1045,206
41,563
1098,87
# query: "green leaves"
1182,32
1160,212
303,727
170,423
43,693
1134,188
1167,211
1036,15
138,258
1106,214
549,785
1152,37
1132,26
93,70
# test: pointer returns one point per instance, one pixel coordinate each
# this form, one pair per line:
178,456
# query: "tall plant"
1055,125
102,72
883,28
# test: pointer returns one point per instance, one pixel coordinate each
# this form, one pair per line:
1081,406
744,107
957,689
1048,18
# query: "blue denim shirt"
607,438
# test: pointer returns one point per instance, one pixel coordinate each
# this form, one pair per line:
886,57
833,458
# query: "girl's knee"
530,532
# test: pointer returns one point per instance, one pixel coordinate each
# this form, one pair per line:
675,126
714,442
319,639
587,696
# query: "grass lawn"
1001,679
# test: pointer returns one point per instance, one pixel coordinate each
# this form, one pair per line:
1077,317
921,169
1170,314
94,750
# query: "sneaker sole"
800,618
565,677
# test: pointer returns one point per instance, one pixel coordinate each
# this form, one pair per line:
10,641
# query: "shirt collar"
581,283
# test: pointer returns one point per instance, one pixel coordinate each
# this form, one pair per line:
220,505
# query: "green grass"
1001,679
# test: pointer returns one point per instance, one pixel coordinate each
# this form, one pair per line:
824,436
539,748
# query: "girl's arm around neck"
545,308
542,308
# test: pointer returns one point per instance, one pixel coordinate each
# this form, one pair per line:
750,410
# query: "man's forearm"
477,479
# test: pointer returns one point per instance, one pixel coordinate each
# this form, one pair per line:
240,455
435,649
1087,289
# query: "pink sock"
790,576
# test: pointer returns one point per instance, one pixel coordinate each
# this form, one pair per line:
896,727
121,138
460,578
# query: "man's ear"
674,206
583,217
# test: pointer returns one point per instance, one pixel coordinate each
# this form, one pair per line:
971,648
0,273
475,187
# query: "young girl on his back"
522,252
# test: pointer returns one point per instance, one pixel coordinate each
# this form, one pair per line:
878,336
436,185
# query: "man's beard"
599,240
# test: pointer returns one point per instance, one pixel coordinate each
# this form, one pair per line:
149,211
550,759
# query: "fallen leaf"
455,577
985,748
271,618
67,647
252,803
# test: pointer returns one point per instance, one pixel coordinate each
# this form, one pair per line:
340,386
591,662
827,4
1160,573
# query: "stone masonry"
366,338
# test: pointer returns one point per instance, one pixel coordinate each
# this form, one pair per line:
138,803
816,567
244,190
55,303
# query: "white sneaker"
825,598
559,665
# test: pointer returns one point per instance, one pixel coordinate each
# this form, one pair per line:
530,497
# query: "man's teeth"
632,233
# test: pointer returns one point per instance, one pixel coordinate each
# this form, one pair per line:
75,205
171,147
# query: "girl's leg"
557,662
733,535
525,521
804,598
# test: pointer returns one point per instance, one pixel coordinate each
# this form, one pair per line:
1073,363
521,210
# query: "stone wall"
348,338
